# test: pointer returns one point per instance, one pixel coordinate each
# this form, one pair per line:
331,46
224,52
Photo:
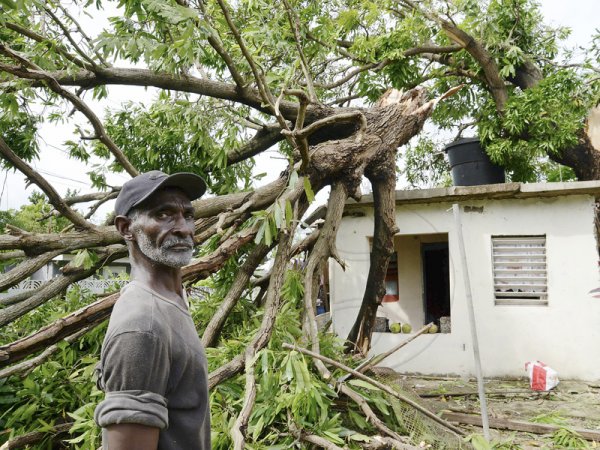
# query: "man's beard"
165,254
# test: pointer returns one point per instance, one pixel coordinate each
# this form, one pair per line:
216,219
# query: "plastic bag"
541,377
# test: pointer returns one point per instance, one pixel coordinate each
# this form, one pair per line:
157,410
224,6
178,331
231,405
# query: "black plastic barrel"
470,164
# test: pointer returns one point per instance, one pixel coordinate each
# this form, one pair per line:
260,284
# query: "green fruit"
406,328
433,329
395,328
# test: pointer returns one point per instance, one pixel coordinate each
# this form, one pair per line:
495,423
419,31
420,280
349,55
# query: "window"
519,265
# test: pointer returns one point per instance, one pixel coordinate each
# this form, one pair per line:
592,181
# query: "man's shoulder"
135,310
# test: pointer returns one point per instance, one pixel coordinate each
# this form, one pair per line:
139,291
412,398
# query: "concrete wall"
565,334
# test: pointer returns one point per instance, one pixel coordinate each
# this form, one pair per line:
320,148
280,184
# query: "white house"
96,284
532,258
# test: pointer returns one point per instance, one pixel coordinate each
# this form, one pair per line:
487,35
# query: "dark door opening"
436,284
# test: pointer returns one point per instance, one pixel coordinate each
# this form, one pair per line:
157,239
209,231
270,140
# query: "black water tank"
471,165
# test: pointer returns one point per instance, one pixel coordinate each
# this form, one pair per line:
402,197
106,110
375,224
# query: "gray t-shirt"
154,370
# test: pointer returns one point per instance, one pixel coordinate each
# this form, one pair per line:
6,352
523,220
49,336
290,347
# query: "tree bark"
34,437
584,159
214,327
384,199
56,331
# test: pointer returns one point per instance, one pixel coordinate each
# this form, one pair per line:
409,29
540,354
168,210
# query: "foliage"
289,390
214,82
480,443
539,121
60,390
179,134
34,217
552,418
424,164
566,438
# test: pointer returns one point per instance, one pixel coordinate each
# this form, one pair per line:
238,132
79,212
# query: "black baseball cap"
138,189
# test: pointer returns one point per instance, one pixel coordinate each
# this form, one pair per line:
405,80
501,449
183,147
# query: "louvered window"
520,276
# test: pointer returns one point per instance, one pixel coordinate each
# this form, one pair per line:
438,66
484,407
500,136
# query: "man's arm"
131,436
134,374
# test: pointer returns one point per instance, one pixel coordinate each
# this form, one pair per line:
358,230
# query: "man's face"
164,228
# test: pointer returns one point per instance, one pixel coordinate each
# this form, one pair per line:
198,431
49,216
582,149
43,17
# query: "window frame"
532,276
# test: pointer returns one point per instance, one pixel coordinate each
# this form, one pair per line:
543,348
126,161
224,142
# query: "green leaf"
478,442
358,419
85,259
360,437
310,195
277,214
293,179
333,437
8,3
267,231
261,232
258,427
289,213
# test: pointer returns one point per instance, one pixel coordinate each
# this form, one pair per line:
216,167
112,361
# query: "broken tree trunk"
360,336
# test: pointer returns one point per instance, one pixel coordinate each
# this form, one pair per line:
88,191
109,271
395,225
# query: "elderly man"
153,366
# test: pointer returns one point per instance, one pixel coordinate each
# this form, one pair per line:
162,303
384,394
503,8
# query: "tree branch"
272,304
338,118
312,438
55,86
57,286
61,49
67,34
53,196
5,256
383,246
215,42
83,33
494,81
202,267
38,243
295,26
396,439
214,327
238,431
377,384
265,138
263,88
32,363
322,249
56,331
25,268
164,80
28,439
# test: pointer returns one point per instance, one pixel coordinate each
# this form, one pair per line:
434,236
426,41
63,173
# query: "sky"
64,173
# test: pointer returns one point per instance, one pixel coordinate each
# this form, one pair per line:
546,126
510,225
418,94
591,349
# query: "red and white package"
541,377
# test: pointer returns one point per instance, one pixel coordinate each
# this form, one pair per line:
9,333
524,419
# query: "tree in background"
336,88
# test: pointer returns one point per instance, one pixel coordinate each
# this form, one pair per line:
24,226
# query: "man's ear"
123,226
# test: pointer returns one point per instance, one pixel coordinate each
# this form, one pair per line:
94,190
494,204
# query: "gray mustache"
173,241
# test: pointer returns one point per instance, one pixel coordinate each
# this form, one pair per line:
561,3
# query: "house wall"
565,334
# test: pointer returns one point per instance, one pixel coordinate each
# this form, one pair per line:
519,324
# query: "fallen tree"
231,82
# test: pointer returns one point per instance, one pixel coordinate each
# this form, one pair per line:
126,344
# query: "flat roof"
490,191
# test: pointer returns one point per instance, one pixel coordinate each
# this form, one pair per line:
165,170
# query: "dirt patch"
571,405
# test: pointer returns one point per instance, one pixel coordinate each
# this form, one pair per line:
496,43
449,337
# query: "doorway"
436,284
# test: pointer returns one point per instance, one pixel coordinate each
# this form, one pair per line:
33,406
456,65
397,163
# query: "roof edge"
491,191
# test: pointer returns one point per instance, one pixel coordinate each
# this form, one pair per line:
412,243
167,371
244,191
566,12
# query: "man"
153,367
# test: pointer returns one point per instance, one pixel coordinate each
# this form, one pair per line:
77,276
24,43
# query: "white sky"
580,15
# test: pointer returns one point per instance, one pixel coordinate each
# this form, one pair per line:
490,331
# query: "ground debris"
573,405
